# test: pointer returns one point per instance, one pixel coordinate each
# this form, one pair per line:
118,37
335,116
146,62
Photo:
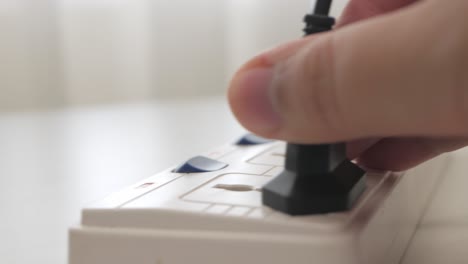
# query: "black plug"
317,178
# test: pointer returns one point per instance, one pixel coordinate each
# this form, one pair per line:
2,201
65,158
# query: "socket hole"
237,187
144,185
278,154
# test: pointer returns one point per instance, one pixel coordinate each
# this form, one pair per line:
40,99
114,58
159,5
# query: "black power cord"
317,178
317,20
320,7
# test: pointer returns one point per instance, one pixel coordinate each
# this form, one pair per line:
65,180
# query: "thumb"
399,74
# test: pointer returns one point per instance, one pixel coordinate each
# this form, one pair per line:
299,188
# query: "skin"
391,80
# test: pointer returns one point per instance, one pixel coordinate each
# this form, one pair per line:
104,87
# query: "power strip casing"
176,218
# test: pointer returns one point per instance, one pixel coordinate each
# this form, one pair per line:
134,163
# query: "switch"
200,164
251,139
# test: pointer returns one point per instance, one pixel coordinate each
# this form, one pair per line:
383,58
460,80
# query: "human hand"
391,81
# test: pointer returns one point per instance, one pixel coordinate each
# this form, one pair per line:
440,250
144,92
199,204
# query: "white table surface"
54,162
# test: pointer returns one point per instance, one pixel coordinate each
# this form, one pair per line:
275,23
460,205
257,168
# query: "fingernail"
253,104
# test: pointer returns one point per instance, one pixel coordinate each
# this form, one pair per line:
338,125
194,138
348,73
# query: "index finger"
362,9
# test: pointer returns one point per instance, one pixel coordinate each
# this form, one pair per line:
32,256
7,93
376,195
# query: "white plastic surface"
218,217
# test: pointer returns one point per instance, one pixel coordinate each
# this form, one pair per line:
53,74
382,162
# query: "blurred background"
96,95
56,53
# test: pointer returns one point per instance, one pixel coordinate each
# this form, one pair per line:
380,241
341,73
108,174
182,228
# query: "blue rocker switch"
251,139
200,164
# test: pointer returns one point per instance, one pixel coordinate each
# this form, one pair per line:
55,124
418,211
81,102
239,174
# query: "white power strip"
217,217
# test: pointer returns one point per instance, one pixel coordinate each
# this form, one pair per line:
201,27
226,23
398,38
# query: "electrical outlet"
217,216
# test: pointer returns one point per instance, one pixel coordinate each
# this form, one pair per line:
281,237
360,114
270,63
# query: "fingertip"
249,92
250,101
356,147
398,154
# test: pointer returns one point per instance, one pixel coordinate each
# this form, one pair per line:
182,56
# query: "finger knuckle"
457,78
318,98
